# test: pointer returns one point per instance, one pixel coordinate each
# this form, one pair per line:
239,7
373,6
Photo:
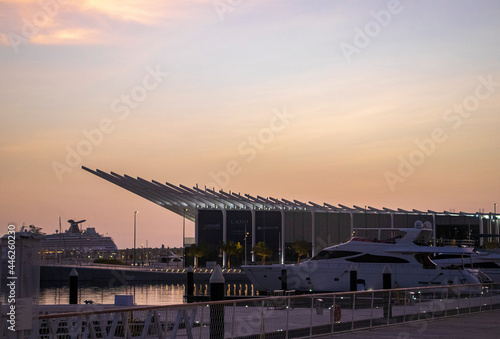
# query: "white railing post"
262,325
446,303
389,308
201,320
490,291
147,323
433,302
126,327
287,305
353,297
371,309
419,304
232,321
114,325
311,317
470,300
103,321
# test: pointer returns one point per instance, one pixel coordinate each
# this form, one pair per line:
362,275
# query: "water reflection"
145,294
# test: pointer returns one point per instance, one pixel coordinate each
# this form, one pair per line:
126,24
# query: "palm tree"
263,251
231,248
301,247
197,251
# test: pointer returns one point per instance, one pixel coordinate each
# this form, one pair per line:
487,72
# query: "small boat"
403,255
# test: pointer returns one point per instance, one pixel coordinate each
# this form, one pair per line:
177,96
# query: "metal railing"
455,242
297,316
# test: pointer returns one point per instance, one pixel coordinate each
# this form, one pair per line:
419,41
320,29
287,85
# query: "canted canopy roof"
185,201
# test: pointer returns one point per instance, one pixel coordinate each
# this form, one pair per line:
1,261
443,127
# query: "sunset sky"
376,103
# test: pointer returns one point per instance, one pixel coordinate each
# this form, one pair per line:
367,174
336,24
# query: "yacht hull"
318,277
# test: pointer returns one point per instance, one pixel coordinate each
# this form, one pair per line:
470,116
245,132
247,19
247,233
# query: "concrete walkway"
477,325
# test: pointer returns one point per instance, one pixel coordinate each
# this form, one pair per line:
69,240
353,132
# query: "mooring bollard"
73,287
217,311
190,285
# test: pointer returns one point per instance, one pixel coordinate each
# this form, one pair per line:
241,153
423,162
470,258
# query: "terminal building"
221,217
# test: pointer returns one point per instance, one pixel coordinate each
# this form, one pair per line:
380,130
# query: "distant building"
221,216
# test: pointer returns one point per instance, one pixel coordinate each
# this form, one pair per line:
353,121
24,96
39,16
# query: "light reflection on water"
145,294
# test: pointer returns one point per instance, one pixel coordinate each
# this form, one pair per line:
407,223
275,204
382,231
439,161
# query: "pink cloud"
86,22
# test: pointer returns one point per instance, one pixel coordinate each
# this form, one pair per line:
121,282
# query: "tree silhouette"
263,251
231,248
197,251
301,247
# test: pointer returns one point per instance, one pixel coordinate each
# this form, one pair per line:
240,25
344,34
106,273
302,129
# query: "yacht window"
422,239
334,254
448,256
489,264
425,260
484,278
369,258
391,236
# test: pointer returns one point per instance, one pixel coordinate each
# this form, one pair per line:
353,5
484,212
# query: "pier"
92,272
299,316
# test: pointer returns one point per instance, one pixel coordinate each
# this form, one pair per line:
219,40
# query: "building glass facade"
330,228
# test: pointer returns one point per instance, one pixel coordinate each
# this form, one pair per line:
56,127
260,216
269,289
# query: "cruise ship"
76,239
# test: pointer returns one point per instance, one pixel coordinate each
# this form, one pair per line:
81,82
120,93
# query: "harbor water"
144,294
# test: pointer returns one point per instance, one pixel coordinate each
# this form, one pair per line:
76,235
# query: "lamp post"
135,222
366,217
184,236
495,216
246,236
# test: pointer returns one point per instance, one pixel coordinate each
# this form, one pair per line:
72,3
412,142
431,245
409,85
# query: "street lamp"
184,236
495,216
366,217
135,222
246,236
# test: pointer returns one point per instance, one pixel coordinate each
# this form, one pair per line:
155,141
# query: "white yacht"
404,254
487,261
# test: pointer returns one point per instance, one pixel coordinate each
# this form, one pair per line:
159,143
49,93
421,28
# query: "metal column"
224,235
253,233
282,236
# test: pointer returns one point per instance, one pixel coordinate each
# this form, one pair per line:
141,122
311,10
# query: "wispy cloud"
144,12
86,22
66,36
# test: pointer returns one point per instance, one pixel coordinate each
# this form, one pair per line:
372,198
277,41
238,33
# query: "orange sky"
374,103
